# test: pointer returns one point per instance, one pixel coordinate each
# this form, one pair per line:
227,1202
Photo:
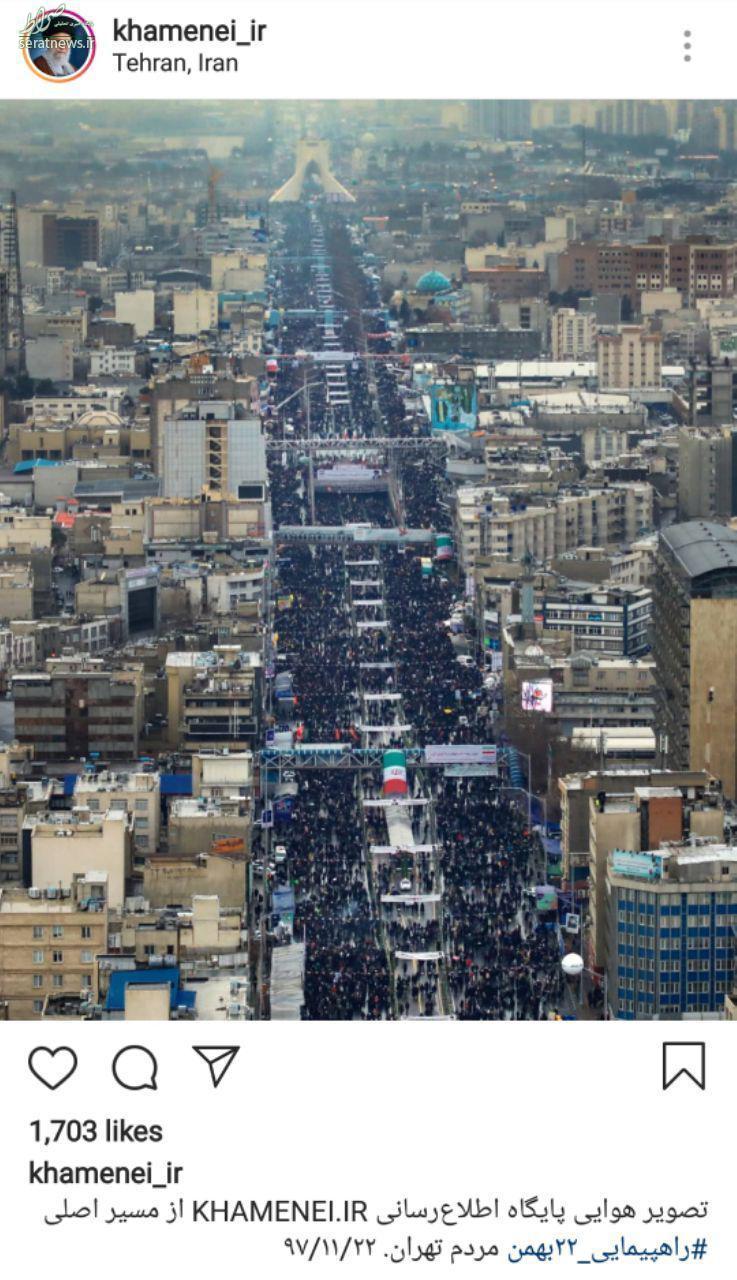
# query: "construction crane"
11,262
213,177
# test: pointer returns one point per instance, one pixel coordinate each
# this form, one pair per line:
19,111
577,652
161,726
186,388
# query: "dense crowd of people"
491,956
346,970
502,961
315,638
444,698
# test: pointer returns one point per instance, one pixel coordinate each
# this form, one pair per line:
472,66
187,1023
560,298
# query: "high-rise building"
136,307
214,447
4,319
725,116
505,119
707,473
629,357
712,393
80,709
590,803
697,268
195,312
633,118
572,334
68,241
695,647
671,930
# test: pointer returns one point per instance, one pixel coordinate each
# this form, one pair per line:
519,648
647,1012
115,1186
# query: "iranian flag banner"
394,765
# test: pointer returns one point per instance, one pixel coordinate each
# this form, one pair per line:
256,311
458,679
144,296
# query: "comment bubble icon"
135,1067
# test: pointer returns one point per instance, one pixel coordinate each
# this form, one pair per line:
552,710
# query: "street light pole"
573,967
523,792
306,387
310,462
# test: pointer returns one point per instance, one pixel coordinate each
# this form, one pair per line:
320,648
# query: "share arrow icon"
219,1058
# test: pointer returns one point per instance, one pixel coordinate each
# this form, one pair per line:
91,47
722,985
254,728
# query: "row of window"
646,902
57,957
57,931
118,805
57,981
648,988
665,970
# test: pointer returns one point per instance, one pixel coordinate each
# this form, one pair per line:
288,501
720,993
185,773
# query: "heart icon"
52,1066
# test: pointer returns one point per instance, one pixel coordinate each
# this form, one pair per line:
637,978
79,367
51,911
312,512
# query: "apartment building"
112,362
707,472
616,621
695,646
195,312
80,710
604,693
671,930
213,446
698,269
629,357
60,845
573,334
489,523
227,591
49,944
702,811
213,698
222,773
136,793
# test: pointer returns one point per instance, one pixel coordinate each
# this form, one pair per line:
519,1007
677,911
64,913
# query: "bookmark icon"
219,1058
685,1058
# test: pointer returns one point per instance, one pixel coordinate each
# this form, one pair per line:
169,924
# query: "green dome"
432,282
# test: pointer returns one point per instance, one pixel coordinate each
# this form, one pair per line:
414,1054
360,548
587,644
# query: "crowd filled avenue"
416,901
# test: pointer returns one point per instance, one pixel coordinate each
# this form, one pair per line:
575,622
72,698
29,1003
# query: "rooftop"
702,546
79,821
138,781
25,905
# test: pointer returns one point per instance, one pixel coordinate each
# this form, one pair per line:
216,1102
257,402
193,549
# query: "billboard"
546,898
453,406
228,845
537,695
467,753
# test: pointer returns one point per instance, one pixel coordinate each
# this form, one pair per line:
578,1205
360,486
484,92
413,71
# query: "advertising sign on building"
537,695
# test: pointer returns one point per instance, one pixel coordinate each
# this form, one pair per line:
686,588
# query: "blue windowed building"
671,930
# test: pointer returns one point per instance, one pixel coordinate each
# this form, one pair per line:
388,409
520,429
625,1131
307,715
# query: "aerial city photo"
368,560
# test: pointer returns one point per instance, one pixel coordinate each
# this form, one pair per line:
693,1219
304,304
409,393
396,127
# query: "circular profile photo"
58,44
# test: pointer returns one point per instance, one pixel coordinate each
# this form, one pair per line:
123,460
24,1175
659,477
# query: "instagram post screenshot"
368,637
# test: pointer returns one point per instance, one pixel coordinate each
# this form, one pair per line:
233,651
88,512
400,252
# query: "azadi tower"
313,157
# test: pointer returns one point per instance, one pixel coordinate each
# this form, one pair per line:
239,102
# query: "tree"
537,735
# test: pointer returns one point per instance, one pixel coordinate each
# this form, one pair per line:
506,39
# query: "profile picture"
58,44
